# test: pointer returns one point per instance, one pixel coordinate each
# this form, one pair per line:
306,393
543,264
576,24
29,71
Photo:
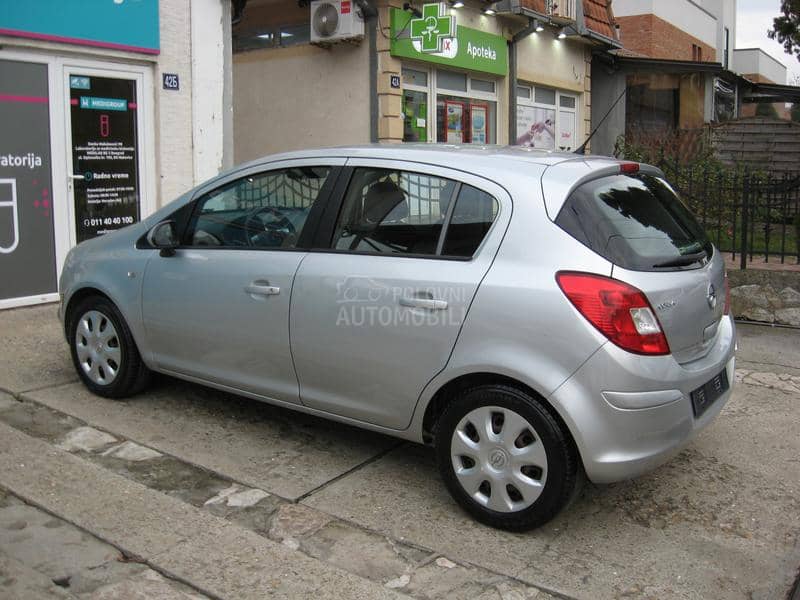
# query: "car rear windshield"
635,221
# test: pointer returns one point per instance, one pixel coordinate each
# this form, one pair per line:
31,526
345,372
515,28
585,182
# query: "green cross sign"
433,27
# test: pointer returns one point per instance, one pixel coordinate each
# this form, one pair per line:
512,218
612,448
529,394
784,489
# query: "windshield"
635,221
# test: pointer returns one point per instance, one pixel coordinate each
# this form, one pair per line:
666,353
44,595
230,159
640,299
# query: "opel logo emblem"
497,459
712,296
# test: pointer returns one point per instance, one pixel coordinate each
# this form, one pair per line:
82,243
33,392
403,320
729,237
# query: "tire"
103,351
505,459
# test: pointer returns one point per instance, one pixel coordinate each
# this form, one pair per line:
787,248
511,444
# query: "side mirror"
165,237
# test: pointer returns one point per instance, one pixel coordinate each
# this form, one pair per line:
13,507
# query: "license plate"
706,394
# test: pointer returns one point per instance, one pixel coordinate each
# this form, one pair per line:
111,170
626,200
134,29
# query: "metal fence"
749,214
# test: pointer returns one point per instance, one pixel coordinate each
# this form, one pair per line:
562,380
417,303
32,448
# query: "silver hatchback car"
534,316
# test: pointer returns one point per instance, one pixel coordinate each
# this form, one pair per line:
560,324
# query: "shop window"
546,118
415,77
447,80
545,96
481,85
270,26
466,117
462,120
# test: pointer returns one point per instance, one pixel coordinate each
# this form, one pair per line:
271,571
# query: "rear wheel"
504,458
103,350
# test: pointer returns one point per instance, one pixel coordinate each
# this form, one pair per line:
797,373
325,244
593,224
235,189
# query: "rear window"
636,222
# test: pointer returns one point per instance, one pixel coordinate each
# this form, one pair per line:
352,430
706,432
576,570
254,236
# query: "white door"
105,124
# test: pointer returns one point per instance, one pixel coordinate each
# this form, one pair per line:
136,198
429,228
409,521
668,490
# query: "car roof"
483,160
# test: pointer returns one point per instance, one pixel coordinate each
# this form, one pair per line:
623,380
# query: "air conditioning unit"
334,21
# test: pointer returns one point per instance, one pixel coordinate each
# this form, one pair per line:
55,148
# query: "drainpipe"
512,78
373,81
370,15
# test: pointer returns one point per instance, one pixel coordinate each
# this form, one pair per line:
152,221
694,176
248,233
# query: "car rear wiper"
682,261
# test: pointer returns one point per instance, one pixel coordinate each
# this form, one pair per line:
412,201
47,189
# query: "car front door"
218,309
375,316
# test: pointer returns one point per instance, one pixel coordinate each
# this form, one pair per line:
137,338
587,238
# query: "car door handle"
428,303
262,289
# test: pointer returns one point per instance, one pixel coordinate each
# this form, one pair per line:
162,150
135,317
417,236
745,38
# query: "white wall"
755,60
208,64
686,15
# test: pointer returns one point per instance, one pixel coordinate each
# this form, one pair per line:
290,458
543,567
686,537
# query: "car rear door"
218,309
375,314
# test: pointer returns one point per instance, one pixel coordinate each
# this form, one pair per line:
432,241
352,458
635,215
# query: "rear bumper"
629,413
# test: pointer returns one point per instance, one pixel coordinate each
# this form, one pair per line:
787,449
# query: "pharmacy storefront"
453,76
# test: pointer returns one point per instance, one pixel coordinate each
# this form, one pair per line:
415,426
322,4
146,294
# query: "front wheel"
505,459
103,350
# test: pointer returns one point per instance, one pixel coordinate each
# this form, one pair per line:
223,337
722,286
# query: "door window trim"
183,215
323,241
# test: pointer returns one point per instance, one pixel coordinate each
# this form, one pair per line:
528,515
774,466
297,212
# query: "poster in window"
566,130
27,242
536,127
454,113
480,125
105,153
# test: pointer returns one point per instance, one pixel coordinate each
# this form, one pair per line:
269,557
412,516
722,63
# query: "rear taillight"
619,311
727,309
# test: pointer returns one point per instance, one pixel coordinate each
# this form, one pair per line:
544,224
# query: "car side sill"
405,434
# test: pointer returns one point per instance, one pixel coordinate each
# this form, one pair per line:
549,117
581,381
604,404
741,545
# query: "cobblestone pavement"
186,492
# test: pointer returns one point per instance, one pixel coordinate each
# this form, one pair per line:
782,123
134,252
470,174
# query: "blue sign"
77,82
130,25
93,103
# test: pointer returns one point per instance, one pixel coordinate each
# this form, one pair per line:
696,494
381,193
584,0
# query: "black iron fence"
752,215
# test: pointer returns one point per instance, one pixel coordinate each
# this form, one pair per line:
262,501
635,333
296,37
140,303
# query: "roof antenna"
582,149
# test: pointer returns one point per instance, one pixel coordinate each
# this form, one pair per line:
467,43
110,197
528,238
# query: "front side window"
265,210
387,211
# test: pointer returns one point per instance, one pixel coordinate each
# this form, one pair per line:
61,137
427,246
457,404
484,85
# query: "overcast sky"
753,20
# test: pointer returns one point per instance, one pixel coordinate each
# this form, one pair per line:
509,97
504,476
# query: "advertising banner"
455,122
130,25
105,154
27,245
479,123
436,37
536,127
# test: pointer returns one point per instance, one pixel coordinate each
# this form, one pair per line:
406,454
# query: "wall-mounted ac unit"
334,21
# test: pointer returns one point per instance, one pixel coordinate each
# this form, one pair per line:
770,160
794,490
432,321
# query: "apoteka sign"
437,37
429,33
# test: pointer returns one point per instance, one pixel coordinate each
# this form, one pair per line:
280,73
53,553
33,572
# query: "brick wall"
656,38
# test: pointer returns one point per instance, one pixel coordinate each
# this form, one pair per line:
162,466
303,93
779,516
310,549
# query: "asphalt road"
186,492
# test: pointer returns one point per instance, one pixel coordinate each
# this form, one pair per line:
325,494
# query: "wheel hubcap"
499,459
98,347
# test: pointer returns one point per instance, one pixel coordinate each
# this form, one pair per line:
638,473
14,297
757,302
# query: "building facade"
472,72
678,71
107,111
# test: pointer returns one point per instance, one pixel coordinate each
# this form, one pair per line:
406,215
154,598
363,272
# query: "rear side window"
636,222
387,211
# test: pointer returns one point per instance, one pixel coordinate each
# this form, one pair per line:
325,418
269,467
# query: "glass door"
104,150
